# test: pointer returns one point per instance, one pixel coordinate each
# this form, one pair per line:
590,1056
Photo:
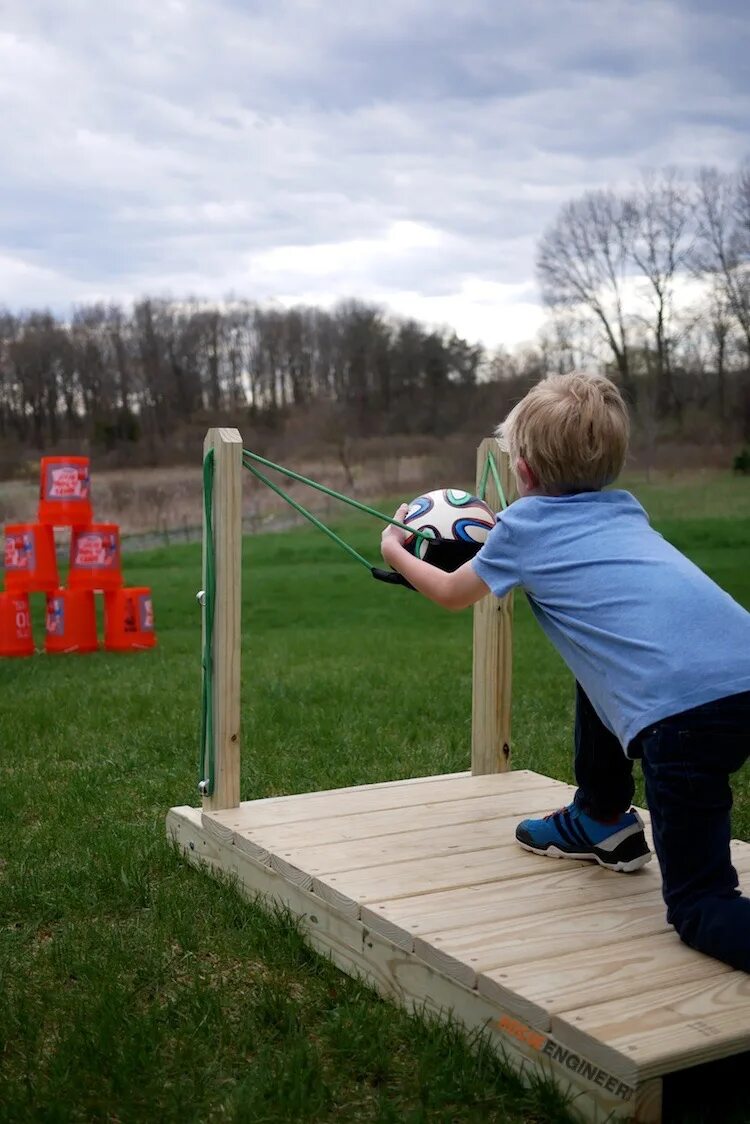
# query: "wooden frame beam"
493,644
227,634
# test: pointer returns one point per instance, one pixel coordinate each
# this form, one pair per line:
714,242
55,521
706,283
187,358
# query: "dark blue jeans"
687,760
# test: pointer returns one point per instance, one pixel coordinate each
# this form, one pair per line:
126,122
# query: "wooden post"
227,534
648,1102
493,645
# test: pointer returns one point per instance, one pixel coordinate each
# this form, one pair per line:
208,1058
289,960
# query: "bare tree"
661,236
583,263
10,396
723,256
724,239
569,341
719,319
239,342
35,354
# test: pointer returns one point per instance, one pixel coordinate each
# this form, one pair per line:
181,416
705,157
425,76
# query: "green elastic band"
498,481
328,492
482,489
207,758
307,514
491,467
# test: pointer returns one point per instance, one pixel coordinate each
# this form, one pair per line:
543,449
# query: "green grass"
698,493
134,988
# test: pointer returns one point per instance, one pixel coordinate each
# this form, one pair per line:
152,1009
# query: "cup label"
23,619
146,613
20,555
67,482
96,550
55,616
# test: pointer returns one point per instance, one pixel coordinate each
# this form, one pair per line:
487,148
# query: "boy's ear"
526,474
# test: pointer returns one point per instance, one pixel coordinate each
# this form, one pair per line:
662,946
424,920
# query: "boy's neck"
523,492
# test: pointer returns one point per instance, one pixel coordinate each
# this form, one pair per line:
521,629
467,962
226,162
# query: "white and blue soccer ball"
448,515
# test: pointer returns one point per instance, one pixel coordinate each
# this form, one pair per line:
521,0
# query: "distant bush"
741,462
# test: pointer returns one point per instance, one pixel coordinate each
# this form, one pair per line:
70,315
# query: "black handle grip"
391,577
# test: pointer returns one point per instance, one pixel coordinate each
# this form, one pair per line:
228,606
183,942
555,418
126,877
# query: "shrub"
741,463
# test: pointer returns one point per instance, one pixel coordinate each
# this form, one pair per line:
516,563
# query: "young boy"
661,657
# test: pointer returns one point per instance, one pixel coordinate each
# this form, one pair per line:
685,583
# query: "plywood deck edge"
596,1094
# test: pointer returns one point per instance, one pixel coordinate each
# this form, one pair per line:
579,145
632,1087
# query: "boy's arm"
453,591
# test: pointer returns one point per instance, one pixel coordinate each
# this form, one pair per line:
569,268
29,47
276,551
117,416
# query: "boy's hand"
456,590
393,538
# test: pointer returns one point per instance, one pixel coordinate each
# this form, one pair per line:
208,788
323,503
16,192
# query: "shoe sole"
623,866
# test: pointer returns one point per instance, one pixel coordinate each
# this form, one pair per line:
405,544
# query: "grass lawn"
137,989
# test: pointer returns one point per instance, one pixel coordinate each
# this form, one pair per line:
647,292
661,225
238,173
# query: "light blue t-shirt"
645,632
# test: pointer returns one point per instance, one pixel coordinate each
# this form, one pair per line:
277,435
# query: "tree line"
651,283
111,377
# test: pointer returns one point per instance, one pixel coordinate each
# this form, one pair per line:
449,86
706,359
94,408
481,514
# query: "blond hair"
572,431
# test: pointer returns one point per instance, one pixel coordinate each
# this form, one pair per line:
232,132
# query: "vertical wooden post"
227,534
493,645
648,1102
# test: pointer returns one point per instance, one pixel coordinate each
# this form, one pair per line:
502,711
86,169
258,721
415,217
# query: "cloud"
410,151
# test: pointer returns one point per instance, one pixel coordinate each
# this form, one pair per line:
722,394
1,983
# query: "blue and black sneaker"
570,834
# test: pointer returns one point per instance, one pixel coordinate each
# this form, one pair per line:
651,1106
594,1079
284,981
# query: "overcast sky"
406,151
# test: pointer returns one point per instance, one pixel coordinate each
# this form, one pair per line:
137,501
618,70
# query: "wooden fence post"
493,644
227,536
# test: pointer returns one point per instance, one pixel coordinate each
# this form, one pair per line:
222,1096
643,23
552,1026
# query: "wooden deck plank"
464,954
389,821
347,827
281,798
353,801
402,919
535,990
648,1033
587,976
613,918
415,843
352,889
531,902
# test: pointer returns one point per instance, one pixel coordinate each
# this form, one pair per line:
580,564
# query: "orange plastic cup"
129,620
30,560
16,638
95,557
65,492
71,622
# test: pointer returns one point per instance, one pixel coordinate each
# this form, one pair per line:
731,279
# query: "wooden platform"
419,887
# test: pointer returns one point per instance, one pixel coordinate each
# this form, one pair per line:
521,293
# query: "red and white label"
67,482
55,616
96,551
146,613
23,619
19,552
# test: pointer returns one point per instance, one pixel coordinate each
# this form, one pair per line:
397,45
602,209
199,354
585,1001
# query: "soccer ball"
455,524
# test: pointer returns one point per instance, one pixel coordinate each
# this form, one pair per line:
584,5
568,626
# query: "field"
136,989
155,506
